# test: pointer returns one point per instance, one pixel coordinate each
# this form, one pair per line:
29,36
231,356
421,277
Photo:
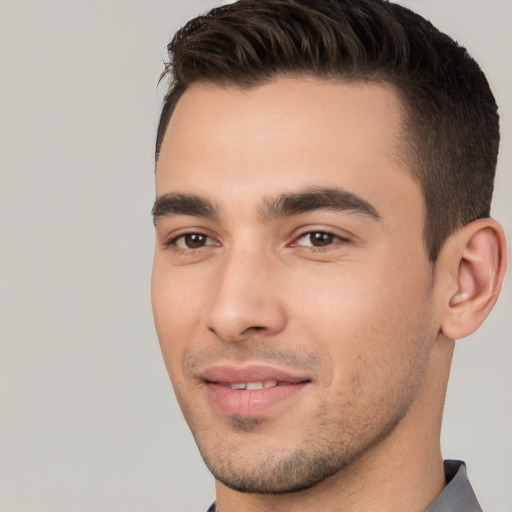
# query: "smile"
251,385
251,390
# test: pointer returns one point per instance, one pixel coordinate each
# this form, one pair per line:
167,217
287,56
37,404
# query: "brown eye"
319,239
193,241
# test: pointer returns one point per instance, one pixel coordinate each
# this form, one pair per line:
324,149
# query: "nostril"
256,328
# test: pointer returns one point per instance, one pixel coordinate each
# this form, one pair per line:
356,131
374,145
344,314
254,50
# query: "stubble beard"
337,436
316,458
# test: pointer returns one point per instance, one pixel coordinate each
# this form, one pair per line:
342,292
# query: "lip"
233,374
249,403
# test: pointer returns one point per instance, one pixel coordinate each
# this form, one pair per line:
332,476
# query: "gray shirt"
457,496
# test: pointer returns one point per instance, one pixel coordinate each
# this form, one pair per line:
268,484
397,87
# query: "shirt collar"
458,495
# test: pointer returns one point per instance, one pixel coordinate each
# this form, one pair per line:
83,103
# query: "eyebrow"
284,205
312,199
183,204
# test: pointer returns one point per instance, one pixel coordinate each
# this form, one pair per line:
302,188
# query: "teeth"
254,385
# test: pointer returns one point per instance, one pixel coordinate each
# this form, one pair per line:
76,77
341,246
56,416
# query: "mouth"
253,385
250,391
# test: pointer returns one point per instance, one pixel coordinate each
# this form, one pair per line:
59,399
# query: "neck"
402,472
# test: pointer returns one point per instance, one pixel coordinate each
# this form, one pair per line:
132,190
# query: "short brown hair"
451,125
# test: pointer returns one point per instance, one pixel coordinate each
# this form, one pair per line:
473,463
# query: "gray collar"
458,495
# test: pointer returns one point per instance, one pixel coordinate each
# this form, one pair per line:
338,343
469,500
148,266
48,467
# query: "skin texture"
359,318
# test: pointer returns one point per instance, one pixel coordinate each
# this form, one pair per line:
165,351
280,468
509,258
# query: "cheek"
366,318
174,313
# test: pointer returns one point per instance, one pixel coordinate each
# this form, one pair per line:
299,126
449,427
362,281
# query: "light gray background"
88,421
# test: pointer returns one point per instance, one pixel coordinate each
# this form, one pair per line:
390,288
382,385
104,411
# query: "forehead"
286,134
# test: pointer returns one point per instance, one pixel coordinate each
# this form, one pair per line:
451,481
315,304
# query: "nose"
245,303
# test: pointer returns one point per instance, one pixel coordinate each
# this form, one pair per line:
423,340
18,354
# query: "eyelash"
173,242
335,240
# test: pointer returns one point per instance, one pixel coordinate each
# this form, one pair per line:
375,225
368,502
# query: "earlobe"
477,255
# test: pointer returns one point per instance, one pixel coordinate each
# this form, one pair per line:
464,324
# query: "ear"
476,260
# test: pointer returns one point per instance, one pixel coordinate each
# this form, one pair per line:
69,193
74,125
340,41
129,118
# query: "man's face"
291,290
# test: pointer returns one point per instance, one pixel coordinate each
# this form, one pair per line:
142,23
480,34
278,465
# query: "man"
324,176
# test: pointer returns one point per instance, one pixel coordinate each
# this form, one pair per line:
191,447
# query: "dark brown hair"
451,125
